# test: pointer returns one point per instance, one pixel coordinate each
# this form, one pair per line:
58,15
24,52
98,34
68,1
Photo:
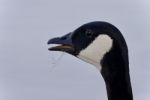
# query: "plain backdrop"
28,71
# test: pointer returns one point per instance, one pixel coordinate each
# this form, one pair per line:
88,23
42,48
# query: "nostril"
64,38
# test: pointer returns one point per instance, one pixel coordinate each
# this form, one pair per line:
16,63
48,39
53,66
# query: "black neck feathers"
115,71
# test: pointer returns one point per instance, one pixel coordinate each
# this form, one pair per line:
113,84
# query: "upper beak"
64,43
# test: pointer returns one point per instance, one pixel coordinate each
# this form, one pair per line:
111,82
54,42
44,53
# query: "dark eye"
89,33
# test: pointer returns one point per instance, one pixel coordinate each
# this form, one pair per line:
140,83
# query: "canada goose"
101,44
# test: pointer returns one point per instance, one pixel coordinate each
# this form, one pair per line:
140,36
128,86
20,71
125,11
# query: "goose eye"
89,33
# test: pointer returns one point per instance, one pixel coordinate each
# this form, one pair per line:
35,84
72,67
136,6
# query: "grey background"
27,71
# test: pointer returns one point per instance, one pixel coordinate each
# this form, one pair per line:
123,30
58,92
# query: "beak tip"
49,41
53,41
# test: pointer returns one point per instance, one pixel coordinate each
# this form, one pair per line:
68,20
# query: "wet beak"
63,43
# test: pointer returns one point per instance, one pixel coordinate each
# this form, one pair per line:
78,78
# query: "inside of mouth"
54,45
58,46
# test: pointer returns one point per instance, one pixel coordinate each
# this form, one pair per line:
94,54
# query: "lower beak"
64,44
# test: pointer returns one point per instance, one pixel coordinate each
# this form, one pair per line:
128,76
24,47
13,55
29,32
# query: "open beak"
64,44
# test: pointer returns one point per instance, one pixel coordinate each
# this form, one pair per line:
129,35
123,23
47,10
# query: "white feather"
95,51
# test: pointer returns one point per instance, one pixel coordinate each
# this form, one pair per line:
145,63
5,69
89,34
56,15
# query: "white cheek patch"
95,51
